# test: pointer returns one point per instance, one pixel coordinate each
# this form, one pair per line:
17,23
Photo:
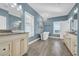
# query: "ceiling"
47,10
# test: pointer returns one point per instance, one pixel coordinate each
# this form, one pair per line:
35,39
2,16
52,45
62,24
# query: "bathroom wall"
66,22
66,25
49,23
71,14
9,18
4,13
12,18
37,18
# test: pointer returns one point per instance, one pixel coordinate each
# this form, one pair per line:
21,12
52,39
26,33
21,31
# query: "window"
29,24
56,28
2,22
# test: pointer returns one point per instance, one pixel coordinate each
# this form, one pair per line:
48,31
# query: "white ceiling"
48,10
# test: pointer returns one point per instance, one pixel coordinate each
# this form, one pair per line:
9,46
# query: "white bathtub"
45,35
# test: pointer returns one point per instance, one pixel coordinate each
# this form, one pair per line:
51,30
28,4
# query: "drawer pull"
4,49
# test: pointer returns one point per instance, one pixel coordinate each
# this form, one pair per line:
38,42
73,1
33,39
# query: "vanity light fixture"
13,5
76,10
19,7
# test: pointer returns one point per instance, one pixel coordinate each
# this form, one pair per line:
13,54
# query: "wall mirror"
74,21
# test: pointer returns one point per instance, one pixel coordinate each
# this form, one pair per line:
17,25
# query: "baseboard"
53,37
34,41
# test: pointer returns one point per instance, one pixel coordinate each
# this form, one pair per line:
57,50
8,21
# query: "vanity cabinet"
70,41
19,46
74,44
67,41
14,45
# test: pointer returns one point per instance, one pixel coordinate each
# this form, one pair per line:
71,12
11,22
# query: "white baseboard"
53,37
34,41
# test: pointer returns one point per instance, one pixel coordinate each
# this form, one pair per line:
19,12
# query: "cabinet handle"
4,49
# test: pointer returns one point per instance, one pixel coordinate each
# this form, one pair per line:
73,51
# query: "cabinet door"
5,49
23,46
16,47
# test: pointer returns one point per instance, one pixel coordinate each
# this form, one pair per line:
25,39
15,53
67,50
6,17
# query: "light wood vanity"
70,41
13,44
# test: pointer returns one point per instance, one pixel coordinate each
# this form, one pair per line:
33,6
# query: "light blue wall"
59,18
5,14
37,17
27,8
71,13
48,27
11,20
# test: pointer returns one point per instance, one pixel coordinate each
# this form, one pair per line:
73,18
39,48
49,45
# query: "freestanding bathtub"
44,35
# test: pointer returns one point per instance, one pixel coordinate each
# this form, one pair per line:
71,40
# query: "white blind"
56,27
2,22
29,24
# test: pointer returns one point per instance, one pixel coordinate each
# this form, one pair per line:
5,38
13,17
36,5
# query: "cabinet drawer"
4,49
